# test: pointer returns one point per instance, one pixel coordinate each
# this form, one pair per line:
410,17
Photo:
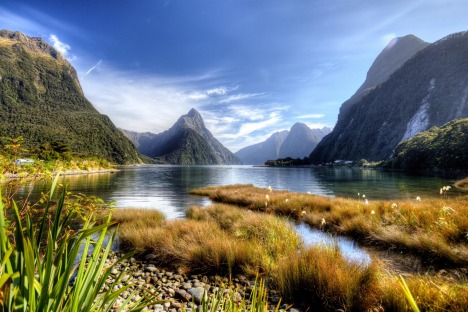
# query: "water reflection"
166,187
349,248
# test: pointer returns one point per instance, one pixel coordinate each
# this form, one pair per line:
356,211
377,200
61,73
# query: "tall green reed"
40,269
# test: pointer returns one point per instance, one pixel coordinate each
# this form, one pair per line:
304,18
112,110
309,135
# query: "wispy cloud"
240,96
311,116
93,68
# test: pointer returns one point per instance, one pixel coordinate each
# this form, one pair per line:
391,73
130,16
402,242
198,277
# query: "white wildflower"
286,200
303,212
366,202
442,190
372,212
323,222
394,205
270,189
363,195
418,198
267,197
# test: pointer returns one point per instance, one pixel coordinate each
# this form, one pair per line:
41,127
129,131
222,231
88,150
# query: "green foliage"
42,101
40,268
288,162
444,148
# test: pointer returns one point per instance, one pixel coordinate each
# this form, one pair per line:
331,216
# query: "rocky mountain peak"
192,120
33,44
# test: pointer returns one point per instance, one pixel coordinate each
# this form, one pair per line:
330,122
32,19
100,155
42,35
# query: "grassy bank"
222,239
434,228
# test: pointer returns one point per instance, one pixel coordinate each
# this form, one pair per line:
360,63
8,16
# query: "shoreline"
15,176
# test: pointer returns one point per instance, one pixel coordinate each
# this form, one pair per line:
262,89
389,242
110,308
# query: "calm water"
165,187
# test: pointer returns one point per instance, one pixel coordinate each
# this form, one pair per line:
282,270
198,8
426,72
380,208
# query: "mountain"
301,141
187,142
444,148
261,152
430,89
395,54
296,143
42,100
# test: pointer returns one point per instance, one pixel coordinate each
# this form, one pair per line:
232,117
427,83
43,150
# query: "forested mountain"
42,100
435,149
187,142
258,154
430,89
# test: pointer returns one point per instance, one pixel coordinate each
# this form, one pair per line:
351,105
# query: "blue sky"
251,67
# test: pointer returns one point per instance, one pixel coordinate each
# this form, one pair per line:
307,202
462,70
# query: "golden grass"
436,228
430,293
320,277
218,239
222,239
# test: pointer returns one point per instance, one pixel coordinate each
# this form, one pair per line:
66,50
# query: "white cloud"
311,116
60,46
240,96
219,91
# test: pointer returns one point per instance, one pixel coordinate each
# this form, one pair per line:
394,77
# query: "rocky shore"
176,292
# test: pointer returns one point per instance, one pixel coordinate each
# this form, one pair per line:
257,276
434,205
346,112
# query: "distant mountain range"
296,143
258,153
42,101
429,89
187,142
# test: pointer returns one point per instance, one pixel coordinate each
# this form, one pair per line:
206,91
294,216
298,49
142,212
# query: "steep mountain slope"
430,89
187,142
444,148
41,100
301,141
392,57
261,152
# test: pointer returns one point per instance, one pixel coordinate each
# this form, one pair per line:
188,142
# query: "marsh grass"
322,278
218,239
435,228
429,293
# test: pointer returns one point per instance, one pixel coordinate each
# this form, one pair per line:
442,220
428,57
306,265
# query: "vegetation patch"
435,228
444,148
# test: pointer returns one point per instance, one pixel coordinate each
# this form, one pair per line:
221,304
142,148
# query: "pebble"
175,292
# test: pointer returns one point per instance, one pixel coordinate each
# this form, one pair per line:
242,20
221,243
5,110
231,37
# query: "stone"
115,272
187,286
151,269
197,293
182,295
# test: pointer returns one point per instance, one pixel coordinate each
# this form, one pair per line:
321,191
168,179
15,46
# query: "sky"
250,67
